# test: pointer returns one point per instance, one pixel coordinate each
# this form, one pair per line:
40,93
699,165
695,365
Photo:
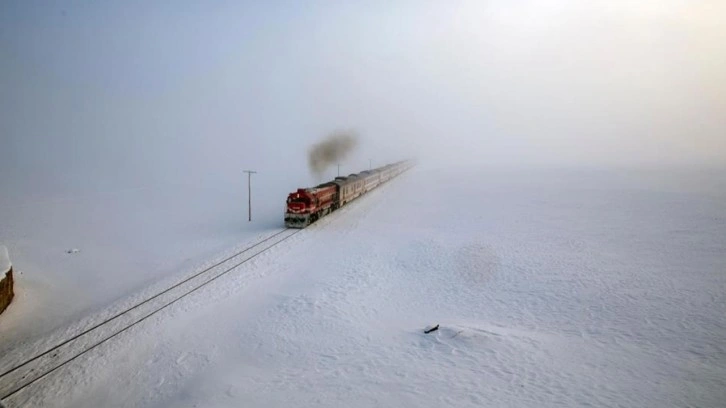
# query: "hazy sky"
123,91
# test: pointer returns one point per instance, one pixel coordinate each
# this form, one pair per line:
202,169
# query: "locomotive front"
307,205
299,206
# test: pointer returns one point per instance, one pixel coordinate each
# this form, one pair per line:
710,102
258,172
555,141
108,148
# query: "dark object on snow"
6,280
433,329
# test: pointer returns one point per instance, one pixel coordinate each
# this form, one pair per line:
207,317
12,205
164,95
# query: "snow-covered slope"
550,290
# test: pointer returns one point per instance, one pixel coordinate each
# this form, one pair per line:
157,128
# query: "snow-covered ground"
551,289
76,252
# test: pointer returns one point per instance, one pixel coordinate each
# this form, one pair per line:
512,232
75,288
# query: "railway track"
34,369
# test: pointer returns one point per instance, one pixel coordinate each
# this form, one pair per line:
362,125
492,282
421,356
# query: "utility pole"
249,192
370,164
338,169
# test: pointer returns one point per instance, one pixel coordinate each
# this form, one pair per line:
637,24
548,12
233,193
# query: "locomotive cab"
296,213
298,201
306,206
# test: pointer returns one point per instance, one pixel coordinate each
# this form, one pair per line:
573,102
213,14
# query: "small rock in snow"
431,329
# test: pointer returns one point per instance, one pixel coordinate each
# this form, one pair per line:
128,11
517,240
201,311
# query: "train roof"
326,184
353,177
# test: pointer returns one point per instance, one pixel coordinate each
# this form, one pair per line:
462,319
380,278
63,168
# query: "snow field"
548,293
131,242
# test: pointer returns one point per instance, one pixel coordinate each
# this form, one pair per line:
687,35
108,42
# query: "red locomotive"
307,205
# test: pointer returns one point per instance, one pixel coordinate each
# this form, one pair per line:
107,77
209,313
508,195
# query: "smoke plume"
335,147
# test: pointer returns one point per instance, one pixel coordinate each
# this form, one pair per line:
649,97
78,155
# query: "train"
307,205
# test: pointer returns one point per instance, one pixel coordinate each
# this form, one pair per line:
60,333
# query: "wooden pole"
249,193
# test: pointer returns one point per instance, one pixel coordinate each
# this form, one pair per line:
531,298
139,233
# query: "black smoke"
331,150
